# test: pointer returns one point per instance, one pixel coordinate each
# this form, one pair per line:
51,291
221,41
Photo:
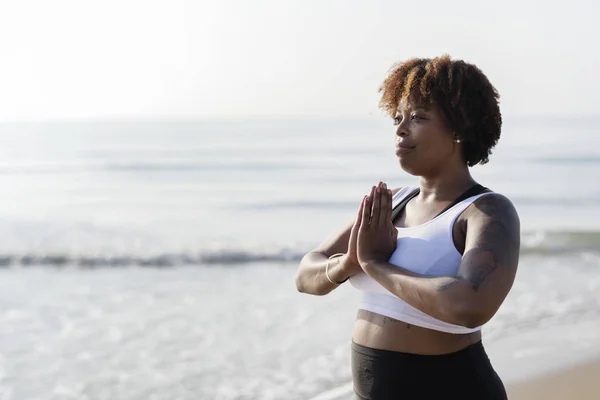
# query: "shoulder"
494,210
494,205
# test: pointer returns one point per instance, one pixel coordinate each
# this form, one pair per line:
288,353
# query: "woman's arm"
310,277
485,275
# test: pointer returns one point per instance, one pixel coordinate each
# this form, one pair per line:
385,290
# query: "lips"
403,148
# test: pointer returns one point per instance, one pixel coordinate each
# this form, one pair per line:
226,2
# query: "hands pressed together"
373,237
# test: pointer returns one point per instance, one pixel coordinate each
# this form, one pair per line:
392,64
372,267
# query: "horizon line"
260,117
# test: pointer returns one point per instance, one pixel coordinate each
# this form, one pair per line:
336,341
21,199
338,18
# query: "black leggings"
385,375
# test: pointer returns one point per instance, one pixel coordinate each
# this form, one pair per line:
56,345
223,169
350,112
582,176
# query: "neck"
446,185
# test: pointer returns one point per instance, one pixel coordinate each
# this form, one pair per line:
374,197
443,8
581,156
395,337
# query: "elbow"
471,317
299,284
302,287
305,280
472,322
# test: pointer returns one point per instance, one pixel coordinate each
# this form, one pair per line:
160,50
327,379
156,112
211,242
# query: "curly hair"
464,95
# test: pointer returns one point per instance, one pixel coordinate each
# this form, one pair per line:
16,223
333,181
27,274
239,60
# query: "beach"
563,363
155,259
577,382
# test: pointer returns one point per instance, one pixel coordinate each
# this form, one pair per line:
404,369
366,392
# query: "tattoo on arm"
451,282
495,246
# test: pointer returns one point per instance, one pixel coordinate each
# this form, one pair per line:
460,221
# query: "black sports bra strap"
472,191
396,210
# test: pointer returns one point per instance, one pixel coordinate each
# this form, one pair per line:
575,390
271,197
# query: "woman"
438,269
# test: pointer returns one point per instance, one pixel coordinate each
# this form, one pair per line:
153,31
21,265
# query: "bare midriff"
385,333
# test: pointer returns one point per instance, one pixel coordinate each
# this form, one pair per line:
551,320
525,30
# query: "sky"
88,59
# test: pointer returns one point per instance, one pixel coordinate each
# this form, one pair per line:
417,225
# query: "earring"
457,140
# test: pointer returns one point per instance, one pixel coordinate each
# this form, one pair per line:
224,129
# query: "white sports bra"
426,249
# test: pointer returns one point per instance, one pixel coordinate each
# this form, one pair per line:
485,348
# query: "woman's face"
424,144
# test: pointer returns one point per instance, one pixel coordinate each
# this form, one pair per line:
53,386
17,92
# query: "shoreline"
576,382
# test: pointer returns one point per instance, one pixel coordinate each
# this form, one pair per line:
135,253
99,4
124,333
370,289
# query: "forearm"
444,298
311,278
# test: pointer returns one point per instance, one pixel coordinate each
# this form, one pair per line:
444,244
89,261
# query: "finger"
383,205
358,221
366,214
390,207
376,206
375,198
373,194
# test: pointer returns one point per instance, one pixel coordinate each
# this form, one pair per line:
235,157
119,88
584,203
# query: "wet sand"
579,382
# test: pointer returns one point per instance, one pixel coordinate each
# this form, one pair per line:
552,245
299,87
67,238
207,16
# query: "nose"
402,128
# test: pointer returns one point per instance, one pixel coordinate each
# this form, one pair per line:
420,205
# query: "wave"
560,242
541,244
224,257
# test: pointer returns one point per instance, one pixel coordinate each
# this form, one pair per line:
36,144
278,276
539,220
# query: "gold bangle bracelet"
327,268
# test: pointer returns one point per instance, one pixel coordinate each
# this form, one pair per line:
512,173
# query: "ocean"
154,259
